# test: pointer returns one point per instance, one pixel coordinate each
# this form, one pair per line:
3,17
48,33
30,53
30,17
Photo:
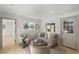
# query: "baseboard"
68,47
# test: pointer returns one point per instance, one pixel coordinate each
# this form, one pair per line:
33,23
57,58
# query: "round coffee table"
39,49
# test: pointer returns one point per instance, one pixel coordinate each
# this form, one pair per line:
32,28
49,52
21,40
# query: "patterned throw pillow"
42,34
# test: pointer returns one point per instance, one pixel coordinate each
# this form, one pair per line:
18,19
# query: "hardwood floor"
70,51
63,50
8,40
11,48
16,49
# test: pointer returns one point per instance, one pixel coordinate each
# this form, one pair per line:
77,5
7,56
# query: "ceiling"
38,10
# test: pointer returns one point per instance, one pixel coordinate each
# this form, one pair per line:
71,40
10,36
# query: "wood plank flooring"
16,49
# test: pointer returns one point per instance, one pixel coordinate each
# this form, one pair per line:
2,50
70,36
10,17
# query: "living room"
31,21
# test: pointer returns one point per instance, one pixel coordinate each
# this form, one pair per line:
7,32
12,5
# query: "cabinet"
69,32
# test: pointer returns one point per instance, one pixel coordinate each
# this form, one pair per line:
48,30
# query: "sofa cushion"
49,35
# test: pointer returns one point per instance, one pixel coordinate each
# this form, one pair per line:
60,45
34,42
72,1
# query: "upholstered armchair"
50,38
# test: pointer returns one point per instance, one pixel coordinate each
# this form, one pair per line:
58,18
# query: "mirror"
50,27
30,26
37,26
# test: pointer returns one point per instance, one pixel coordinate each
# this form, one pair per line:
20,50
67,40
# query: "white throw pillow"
49,35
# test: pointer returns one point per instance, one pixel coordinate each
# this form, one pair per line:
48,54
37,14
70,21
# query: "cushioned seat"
50,38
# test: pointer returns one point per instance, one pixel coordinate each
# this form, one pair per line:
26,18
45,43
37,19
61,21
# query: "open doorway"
8,32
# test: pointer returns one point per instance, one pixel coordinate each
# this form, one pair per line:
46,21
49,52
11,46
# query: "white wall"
56,20
44,21
53,19
19,21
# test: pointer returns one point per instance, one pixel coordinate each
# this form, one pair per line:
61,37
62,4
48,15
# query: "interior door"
69,32
8,32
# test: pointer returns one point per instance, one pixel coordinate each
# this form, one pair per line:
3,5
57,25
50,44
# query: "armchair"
50,38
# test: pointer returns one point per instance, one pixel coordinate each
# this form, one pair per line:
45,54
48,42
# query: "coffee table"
39,48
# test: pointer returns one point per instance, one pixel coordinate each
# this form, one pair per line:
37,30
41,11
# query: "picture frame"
37,26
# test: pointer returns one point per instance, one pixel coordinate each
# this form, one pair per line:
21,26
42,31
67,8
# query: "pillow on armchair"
49,35
42,34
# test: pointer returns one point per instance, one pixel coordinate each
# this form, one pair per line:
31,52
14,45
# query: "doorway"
8,32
